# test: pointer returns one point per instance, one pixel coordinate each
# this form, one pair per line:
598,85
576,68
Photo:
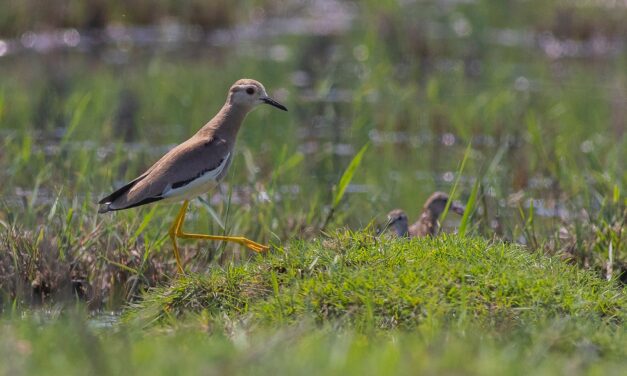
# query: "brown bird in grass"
195,166
427,224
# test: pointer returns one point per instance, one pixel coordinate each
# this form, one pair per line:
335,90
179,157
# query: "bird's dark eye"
250,91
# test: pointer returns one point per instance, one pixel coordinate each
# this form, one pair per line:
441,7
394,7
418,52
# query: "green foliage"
460,171
358,281
347,177
345,180
469,208
73,345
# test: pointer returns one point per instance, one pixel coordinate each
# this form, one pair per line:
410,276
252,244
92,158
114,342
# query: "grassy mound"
357,281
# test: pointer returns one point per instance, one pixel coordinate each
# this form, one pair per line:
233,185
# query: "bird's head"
250,93
437,202
397,222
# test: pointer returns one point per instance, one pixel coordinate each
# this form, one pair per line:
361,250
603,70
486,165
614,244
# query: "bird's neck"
226,123
402,230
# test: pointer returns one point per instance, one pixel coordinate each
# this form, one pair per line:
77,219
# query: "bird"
427,223
195,166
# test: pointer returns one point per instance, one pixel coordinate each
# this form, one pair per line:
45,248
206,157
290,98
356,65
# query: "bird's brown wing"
178,167
423,227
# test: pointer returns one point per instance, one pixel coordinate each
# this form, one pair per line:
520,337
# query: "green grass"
554,347
349,304
359,281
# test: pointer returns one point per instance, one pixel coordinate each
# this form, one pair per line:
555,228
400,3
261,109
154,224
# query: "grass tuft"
355,280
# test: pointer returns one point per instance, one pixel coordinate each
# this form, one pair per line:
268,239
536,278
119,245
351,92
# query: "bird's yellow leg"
174,230
236,239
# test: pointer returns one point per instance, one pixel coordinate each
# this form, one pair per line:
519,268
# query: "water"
103,320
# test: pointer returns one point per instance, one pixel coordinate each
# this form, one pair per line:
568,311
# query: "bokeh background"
93,92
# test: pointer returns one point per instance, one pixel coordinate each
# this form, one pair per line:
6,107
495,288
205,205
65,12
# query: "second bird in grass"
195,166
427,224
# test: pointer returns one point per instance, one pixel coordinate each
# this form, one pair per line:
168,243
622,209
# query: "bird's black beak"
272,102
457,208
387,225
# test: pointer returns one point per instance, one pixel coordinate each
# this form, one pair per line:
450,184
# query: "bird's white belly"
189,192
198,186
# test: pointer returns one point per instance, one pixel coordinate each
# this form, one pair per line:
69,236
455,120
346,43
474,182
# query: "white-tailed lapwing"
195,166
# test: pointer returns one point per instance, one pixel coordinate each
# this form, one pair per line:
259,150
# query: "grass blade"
470,207
345,180
347,176
77,116
459,175
145,222
212,212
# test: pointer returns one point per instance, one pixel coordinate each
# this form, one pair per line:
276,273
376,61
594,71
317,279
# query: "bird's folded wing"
180,166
